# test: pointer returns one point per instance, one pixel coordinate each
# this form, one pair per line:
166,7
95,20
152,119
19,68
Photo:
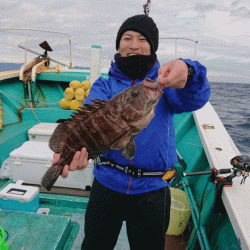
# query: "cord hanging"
147,7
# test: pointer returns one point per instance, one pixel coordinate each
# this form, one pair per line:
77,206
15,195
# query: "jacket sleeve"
99,90
194,95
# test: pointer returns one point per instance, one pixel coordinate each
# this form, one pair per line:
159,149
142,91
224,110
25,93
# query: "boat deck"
209,230
47,232
62,228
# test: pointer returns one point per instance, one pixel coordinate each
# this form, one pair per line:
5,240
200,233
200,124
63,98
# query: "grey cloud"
8,6
204,7
235,3
242,12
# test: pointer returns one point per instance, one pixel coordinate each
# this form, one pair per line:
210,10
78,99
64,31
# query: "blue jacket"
155,145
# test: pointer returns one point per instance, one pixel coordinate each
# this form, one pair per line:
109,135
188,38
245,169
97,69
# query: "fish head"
152,90
140,102
142,96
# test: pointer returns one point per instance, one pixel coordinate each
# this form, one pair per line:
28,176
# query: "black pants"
146,215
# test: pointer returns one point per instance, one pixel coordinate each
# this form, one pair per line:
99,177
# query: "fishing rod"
241,167
147,7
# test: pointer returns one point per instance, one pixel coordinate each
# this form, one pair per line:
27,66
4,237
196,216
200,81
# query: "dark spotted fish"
103,126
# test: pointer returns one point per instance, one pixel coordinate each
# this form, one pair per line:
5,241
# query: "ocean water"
232,104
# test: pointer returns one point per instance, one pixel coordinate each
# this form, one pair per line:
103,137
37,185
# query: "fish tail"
51,176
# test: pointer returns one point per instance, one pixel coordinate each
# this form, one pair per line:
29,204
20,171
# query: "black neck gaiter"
135,66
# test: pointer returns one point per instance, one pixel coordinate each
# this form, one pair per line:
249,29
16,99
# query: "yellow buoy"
1,111
69,93
74,104
87,93
75,84
1,123
86,85
65,103
80,94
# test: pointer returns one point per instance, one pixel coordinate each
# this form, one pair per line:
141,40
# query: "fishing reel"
241,162
241,167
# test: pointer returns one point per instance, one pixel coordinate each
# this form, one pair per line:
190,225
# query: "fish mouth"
152,89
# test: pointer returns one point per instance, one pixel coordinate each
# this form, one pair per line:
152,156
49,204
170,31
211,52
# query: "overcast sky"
222,29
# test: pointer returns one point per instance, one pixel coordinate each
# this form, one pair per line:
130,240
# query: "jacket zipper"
130,180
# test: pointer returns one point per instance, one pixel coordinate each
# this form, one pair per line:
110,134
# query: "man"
143,202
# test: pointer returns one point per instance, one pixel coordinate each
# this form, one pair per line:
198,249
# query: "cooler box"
31,160
16,196
41,131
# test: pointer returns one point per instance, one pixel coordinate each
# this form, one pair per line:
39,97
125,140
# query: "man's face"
133,43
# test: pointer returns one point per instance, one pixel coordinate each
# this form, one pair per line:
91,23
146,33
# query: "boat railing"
176,39
25,47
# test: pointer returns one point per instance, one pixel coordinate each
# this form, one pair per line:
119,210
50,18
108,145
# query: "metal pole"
195,49
26,43
181,38
175,54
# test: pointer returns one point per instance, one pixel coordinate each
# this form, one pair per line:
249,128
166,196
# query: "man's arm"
183,94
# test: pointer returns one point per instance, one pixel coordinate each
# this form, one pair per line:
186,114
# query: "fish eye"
135,93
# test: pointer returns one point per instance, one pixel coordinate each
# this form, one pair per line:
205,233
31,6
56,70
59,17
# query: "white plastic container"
16,196
31,160
42,131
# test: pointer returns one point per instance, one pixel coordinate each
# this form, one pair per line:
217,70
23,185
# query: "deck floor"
34,231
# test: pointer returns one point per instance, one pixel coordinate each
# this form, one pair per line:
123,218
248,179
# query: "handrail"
181,38
49,31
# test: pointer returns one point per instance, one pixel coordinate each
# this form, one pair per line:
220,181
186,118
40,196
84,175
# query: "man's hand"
173,75
79,162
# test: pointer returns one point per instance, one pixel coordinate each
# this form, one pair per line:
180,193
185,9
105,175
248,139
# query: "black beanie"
145,26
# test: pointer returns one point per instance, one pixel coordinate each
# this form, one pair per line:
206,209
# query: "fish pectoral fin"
129,151
122,142
58,138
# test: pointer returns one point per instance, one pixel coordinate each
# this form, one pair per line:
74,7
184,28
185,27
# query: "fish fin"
51,176
129,151
122,142
59,137
85,112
